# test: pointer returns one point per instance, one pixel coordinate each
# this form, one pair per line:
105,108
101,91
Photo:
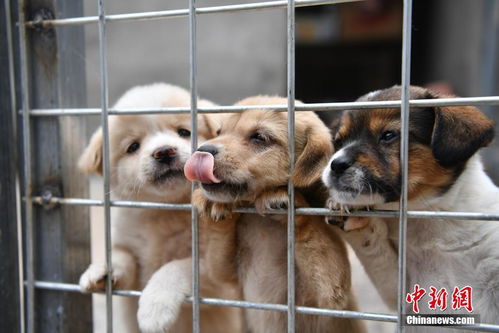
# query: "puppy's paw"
333,205
94,278
220,211
272,199
355,223
159,308
215,211
365,232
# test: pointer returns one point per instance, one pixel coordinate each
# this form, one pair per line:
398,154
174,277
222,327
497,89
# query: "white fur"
357,181
441,253
144,240
368,96
164,295
327,170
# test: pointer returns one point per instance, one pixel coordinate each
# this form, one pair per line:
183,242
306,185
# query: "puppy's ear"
458,132
214,122
335,123
317,149
91,159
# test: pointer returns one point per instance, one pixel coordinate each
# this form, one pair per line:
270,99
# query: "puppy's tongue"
200,167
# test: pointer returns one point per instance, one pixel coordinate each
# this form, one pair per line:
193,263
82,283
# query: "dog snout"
209,149
340,164
164,154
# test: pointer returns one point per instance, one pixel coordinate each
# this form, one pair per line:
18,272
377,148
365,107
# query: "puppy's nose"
340,164
164,154
209,149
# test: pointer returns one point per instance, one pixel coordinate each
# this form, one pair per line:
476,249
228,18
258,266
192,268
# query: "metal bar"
291,147
67,287
11,270
106,163
404,159
235,303
166,14
298,211
194,145
458,101
28,179
19,225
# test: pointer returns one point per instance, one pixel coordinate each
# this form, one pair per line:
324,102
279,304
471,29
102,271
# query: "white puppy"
445,174
147,156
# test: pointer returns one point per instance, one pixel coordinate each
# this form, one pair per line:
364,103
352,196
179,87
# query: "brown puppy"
247,164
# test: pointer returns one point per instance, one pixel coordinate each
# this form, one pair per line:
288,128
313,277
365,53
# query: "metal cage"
28,199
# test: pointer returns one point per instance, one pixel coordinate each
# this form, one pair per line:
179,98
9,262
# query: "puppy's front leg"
220,222
322,266
321,262
210,210
124,273
162,298
275,198
369,239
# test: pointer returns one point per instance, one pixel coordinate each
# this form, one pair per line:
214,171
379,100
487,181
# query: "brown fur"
251,249
441,140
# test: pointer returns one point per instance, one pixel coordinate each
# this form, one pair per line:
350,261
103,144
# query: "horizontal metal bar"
76,288
116,203
176,13
67,287
298,211
234,303
458,101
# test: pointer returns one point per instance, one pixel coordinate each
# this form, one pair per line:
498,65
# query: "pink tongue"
200,167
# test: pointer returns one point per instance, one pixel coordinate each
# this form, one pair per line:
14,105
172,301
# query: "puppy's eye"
219,131
184,133
133,147
257,138
388,137
337,143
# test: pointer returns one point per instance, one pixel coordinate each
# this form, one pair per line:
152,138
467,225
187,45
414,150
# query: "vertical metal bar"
404,154
11,276
19,227
291,147
28,179
105,163
194,144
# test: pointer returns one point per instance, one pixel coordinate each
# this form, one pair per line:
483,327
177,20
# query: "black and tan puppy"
445,174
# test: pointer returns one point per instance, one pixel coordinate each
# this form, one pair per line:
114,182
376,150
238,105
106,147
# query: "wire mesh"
191,13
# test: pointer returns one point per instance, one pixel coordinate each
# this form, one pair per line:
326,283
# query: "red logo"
461,298
438,299
415,297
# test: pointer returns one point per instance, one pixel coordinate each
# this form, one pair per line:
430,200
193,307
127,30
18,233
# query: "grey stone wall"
239,54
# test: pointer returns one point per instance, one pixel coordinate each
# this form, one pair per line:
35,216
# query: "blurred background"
342,51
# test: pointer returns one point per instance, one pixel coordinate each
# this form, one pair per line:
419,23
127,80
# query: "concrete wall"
239,54
464,54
